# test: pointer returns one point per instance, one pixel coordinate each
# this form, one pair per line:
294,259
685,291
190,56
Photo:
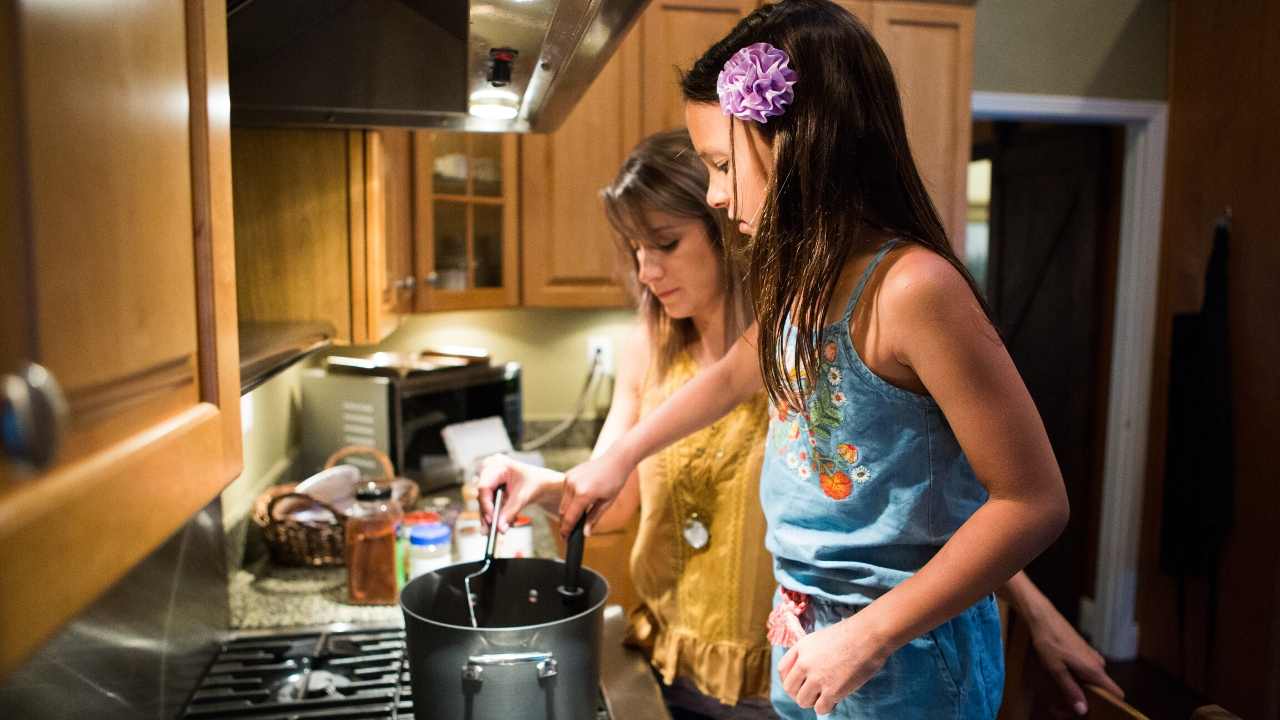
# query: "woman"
699,563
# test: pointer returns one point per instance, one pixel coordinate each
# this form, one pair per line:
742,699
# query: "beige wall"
550,345
269,423
1097,48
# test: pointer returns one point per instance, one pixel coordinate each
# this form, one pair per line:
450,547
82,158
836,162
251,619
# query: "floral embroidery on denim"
803,437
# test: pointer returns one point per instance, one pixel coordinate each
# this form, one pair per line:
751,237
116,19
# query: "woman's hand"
524,484
826,666
1070,661
591,488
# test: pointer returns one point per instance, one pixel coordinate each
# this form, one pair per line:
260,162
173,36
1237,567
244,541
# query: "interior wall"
1223,150
1090,48
550,345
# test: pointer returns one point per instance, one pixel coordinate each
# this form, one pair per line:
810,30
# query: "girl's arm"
526,484
937,329
708,396
940,332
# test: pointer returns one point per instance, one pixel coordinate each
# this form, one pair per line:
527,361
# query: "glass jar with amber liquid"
371,546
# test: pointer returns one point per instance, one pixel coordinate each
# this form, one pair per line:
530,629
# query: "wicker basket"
315,543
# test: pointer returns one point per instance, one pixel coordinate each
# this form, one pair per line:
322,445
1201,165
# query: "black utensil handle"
493,526
573,553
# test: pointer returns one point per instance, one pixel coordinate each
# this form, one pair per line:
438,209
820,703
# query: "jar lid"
373,490
428,534
419,517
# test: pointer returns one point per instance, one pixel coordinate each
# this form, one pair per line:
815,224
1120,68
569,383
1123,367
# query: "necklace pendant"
695,532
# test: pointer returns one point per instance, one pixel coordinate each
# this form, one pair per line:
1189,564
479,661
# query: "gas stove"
343,673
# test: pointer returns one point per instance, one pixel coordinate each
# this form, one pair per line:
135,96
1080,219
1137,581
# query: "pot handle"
545,662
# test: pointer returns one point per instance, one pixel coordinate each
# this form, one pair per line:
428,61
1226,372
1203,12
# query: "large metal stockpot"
535,654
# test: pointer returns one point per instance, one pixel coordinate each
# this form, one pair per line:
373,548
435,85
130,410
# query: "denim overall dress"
859,491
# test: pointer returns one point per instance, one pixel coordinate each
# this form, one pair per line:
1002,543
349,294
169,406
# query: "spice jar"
371,546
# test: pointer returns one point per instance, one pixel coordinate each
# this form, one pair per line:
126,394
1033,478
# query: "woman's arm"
1066,655
624,411
937,329
708,396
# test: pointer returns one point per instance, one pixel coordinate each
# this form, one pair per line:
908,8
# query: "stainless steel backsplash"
139,650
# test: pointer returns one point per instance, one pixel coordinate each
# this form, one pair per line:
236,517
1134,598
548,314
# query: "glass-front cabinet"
465,188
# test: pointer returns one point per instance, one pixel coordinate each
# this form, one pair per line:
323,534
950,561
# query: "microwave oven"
402,416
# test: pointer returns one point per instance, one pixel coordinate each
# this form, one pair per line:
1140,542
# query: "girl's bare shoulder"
919,284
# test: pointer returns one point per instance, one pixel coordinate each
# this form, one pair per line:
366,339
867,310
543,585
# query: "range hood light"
493,104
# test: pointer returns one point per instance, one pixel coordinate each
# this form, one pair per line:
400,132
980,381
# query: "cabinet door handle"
33,414
405,283
432,279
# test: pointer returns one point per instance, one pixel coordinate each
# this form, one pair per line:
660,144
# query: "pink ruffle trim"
785,627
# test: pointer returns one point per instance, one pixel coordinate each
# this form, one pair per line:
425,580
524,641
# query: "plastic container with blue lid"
430,548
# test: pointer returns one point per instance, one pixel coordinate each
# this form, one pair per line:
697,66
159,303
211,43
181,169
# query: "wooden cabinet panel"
567,245
292,231
394,174
676,33
121,214
313,213
931,49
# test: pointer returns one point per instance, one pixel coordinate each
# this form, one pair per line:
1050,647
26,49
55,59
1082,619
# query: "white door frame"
1111,619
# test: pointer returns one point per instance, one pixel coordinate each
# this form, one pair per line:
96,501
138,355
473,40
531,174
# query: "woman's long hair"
842,164
663,173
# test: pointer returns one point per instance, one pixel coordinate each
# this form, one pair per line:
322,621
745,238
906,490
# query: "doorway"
1041,239
1109,618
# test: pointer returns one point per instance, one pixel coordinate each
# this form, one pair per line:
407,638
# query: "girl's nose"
717,194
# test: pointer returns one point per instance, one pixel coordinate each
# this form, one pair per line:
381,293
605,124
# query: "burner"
310,684
348,674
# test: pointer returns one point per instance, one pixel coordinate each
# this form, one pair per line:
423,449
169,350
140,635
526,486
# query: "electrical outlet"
604,345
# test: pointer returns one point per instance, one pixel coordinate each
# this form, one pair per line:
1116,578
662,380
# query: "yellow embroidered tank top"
699,562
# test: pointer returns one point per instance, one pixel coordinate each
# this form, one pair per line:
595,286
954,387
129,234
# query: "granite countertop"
264,595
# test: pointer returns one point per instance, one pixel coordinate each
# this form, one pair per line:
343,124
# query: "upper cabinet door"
465,214
119,212
676,33
389,154
931,49
568,251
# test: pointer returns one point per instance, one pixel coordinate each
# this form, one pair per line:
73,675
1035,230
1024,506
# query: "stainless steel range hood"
419,63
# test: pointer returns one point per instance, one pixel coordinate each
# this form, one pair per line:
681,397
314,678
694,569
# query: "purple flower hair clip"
756,83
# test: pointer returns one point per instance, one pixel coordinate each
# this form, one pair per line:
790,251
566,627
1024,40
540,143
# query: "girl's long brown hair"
842,165
664,174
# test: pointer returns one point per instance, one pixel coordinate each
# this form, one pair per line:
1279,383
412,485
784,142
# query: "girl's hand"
525,484
1070,661
824,667
591,488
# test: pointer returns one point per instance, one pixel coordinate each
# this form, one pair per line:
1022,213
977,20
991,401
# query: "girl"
906,471
701,620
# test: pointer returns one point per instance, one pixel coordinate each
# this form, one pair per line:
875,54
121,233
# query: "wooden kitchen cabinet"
930,46
119,278
465,216
567,250
314,210
676,33
390,176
